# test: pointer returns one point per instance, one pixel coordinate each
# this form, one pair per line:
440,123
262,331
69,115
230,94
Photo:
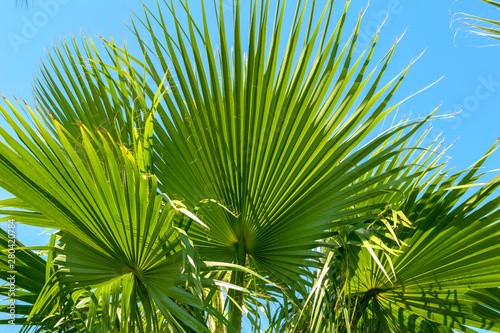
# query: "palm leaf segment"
443,265
116,231
30,276
273,142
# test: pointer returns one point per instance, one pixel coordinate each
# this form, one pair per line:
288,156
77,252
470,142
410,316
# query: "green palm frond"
28,270
199,181
275,144
447,274
117,233
330,303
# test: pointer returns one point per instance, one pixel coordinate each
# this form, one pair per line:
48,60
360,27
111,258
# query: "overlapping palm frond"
118,237
191,186
330,300
447,273
484,26
29,276
443,277
28,270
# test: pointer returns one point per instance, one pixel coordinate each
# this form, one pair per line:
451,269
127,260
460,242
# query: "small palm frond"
276,145
117,232
447,275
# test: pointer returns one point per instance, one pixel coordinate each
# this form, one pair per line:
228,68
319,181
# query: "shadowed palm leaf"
484,26
447,274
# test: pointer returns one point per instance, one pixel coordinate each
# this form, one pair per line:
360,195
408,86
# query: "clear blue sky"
469,67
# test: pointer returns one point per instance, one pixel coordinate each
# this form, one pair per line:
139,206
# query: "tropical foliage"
484,26
213,177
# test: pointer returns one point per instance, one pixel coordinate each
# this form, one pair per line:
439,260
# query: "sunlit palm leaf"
275,144
269,150
330,304
28,270
448,273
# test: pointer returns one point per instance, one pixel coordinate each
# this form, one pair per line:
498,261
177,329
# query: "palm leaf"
447,274
265,142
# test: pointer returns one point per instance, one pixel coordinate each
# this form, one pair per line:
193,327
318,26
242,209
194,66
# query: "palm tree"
252,183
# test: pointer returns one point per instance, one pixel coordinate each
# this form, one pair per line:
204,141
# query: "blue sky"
468,65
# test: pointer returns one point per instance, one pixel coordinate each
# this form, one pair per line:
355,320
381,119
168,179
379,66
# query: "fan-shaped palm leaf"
117,230
444,278
276,144
276,154
447,275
